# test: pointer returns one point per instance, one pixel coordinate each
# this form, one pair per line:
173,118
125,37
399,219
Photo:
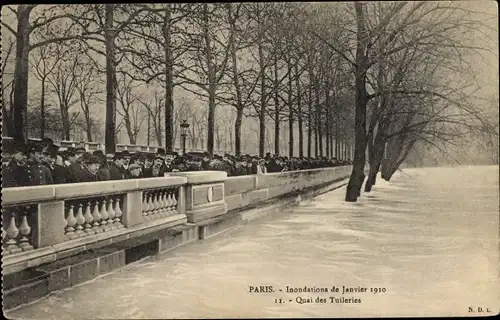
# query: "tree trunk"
376,154
309,124
262,113
290,112
316,123
237,131
337,136
109,35
299,113
211,119
327,122
66,129
169,83
42,110
361,99
276,110
21,75
88,122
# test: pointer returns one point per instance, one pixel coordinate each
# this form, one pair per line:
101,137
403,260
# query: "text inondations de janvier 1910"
335,294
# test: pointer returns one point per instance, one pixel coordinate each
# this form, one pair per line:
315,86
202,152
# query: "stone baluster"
145,207
12,233
111,212
70,222
157,202
163,203
25,229
88,219
174,202
149,207
80,219
104,213
169,201
97,217
144,203
118,211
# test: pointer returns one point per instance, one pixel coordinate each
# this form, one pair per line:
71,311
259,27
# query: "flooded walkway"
427,241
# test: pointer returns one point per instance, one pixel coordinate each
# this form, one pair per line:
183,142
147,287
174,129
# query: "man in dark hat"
47,142
157,169
205,161
76,168
193,163
161,152
90,169
59,173
14,170
179,164
126,160
148,162
240,168
168,164
117,169
37,173
80,151
103,172
97,153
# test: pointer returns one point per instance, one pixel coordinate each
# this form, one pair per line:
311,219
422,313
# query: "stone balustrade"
55,218
43,223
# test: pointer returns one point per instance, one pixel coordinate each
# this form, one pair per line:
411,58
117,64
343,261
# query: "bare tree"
64,81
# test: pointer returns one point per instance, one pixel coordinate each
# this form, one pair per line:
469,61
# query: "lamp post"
184,132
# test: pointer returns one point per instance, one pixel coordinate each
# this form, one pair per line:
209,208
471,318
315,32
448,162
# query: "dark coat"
13,175
274,167
60,174
149,172
38,175
75,171
205,165
239,170
117,173
103,174
87,176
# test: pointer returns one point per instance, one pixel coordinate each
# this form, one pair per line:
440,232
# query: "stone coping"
18,195
23,260
200,177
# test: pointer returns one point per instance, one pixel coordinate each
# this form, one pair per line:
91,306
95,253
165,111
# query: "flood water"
429,239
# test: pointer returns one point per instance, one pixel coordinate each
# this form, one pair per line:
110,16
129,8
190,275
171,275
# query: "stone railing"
244,191
45,223
47,220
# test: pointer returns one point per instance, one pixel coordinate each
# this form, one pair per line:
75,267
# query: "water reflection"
430,237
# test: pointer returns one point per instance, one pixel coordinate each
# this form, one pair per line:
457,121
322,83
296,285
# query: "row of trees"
388,75
250,57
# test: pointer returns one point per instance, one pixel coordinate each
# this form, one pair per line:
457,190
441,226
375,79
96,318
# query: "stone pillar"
132,209
50,224
204,194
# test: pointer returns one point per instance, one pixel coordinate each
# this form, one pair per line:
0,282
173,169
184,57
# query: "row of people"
43,163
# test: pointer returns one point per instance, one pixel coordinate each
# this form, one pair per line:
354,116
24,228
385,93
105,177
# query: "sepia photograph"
222,160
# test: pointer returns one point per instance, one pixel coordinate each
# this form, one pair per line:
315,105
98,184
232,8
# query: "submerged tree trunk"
361,100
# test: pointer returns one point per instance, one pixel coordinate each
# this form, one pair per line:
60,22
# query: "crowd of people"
43,163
